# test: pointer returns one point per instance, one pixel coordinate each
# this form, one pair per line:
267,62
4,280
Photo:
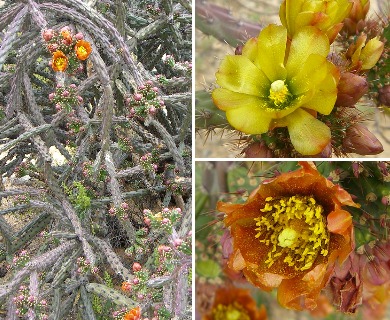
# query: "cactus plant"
95,106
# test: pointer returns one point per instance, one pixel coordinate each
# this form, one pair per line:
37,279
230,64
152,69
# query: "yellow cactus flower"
327,15
266,88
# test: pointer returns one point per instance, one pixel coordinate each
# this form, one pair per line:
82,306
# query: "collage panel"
292,79
95,159
292,240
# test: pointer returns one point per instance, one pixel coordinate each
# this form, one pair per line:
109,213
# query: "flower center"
59,62
295,230
82,50
279,93
232,311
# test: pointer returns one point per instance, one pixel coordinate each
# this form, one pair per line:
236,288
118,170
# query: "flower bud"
136,267
384,95
51,96
371,53
238,50
354,23
351,88
360,140
79,36
138,97
48,34
257,150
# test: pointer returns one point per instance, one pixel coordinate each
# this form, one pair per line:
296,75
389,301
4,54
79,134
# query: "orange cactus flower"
289,234
235,303
59,61
133,314
83,49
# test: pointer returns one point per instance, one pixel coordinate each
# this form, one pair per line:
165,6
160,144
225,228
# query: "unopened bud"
384,95
326,152
371,53
238,50
354,23
360,140
257,150
351,88
48,34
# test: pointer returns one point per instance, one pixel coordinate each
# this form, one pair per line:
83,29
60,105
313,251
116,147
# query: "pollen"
233,311
294,229
279,93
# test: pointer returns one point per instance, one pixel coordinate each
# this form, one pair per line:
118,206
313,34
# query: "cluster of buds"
152,10
161,79
87,170
139,281
84,266
20,259
74,124
164,219
354,23
147,162
184,245
145,102
67,49
125,144
24,301
175,185
24,169
119,314
65,97
140,245
22,199
182,67
121,212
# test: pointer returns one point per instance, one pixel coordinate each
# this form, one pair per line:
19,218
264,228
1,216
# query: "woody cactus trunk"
95,159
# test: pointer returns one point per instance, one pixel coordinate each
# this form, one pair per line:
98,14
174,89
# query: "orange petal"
339,221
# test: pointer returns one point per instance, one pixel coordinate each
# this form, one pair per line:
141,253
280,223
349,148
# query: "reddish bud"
384,95
238,50
138,97
351,88
354,23
136,267
257,150
79,36
48,34
360,140
51,96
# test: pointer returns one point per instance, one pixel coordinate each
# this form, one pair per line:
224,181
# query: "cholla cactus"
83,156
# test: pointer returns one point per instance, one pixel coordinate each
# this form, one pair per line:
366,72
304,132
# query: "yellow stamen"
278,92
230,312
294,228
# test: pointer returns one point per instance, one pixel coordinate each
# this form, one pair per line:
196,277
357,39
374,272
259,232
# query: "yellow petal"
250,51
308,40
225,99
308,135
249,119
290,9
326,95
239,74
306,79
271,48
